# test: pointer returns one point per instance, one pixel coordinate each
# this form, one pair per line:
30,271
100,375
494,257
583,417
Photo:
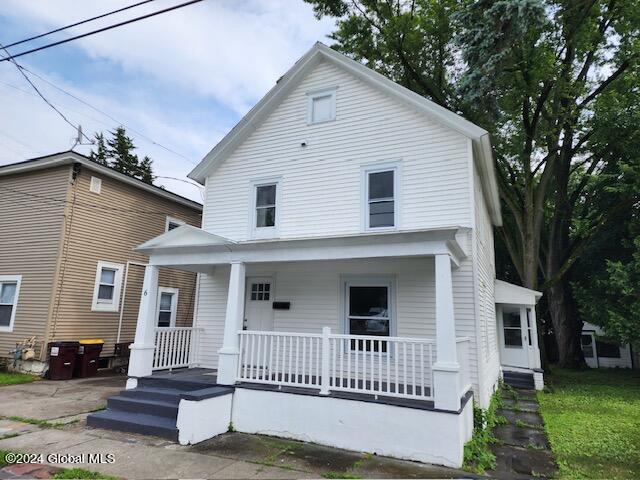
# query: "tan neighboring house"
68,270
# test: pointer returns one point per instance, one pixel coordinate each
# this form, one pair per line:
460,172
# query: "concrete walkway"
64,406
522,451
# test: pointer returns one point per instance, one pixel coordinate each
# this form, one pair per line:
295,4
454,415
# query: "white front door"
514,336
258,307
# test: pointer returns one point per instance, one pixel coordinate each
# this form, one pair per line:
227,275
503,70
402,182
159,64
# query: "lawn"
8,378
592,419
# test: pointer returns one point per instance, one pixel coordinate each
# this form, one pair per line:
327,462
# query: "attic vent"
96,185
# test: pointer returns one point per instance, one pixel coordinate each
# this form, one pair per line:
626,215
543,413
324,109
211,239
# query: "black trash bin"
62,359
87,357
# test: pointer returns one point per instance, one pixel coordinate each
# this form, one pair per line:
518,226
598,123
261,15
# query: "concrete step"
167,395
135,423
144,406
519,380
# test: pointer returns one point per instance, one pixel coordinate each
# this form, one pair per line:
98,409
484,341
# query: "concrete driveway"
64,406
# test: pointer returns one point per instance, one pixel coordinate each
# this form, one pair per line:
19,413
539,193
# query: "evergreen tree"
101,154
117,153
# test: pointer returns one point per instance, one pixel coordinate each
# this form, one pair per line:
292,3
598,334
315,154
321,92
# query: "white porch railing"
175,347
388,366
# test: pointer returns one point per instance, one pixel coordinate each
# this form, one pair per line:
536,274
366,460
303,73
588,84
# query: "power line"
17,65
126,22
77,23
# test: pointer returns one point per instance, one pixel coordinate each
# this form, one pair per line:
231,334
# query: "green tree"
117,153
531,72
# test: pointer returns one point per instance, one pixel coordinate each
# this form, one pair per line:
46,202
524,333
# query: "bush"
478,456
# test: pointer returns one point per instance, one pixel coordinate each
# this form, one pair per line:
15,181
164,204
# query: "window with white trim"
106,293
95,186
322,106
264,207
368,311
380,198
167,306
9,290
172,223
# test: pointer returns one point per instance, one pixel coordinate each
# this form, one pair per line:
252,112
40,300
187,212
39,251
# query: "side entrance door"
514,336
258,304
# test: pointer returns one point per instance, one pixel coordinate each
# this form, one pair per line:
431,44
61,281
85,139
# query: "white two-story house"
346,291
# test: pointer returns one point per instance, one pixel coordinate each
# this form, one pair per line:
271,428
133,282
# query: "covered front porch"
371,315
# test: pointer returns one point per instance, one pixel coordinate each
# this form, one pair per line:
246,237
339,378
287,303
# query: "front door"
258,308
588,341
514,336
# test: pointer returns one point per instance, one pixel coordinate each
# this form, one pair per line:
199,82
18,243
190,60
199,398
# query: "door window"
260,291
512,329
587,345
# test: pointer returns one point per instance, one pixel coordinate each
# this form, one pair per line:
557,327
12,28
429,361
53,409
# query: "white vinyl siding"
321,182
314,290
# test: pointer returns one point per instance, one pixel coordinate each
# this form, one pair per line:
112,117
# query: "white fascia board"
405,244
510,294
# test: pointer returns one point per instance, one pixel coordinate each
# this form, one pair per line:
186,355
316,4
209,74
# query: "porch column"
446,370
141,358
228,355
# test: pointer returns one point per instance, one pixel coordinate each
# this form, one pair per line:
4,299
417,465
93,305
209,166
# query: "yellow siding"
29,240
101,231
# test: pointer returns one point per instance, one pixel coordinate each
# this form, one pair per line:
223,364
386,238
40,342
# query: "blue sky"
182,79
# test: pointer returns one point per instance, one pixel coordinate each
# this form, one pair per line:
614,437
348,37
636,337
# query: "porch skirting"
429,436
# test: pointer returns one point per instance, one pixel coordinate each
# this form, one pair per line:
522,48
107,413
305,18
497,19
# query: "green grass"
38,422
478,456
3,462
8,378
340,475
592,418
77,473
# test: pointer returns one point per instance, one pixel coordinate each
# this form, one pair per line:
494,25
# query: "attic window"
322,106
96,185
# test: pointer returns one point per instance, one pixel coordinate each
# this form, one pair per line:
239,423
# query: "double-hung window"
106,292
369,307
9,290
380,198
322,106
167,306
265,214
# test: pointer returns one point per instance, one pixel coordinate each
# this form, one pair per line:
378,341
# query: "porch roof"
508,293
194,249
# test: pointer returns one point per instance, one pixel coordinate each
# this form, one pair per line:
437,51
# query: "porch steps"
152,407
519,380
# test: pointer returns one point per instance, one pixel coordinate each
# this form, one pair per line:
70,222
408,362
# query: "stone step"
167,395
135,423
144,406
173,384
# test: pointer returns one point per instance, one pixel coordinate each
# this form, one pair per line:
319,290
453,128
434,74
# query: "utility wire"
77,23
104,29
17,65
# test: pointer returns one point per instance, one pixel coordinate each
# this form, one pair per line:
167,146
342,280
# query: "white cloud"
229,53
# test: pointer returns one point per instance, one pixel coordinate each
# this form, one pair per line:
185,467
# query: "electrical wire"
104,29
77,23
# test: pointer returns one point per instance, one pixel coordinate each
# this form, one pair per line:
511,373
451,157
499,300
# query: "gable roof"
71,157
184,236
482,151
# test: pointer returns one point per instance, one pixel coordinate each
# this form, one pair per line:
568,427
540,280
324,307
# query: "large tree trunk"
567,325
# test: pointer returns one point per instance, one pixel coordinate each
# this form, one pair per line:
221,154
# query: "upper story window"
172,223
95,186
106,291
322,106
265,207
380,197
9,289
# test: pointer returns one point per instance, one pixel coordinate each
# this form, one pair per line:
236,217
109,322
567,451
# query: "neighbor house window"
172,223
264,220
322,106
167,306
380,199
368,312
607,349
9,289
106,293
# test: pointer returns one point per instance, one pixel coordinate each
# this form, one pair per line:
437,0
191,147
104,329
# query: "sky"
182,79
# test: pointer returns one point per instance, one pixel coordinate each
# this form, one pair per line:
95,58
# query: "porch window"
368,313
167,306
512,329
9,288
380,200
106,292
